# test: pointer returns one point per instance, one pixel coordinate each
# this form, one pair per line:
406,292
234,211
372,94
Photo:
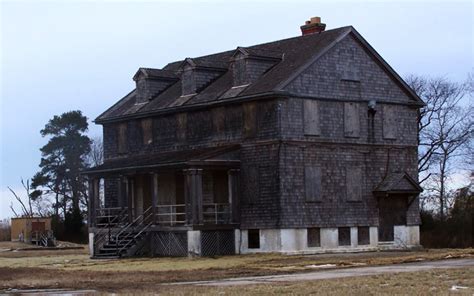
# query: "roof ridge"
261,44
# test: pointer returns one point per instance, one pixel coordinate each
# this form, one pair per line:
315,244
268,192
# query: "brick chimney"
314,25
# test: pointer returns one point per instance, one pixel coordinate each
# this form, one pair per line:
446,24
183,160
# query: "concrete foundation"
295,241
91,243
194,243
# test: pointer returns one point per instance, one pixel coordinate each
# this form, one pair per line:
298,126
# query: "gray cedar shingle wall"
323,78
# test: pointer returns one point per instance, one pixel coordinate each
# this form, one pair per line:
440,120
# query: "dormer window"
196,75
152,82
249,64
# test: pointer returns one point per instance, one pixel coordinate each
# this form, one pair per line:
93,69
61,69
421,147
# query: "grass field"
73,269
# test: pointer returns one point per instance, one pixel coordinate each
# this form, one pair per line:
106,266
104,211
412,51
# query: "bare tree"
445,131
26,207
96,155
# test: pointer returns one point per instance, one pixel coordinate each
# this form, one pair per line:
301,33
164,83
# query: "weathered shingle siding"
323,78
335,209
200,130
260,207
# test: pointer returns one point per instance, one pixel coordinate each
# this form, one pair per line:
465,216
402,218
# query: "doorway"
392,212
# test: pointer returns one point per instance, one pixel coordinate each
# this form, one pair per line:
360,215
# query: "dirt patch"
75,270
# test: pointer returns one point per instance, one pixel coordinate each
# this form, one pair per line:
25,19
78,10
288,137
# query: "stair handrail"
146,215
107,233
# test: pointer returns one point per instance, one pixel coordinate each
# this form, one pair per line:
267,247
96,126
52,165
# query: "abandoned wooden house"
307,144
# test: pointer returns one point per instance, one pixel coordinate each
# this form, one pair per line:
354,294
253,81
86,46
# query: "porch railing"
216,213
170,214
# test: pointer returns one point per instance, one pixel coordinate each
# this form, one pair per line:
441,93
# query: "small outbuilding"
31,229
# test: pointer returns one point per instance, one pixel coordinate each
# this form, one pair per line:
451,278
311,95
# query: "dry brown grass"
73,269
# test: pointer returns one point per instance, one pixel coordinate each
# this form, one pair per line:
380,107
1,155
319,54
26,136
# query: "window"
251,179
253,236
181,126
314,237
353,183
122,138
344,236
389,122
147,131
250,119
218,121
351,120
312,183
363,235
311,118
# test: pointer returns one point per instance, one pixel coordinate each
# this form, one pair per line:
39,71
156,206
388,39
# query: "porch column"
128,198
154,196
234,194
91,202
193,195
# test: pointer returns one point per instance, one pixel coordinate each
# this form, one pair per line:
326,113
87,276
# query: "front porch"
129,206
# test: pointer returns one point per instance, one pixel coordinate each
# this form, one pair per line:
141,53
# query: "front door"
392,211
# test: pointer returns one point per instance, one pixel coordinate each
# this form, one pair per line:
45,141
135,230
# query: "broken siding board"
351,120
312,181
353,184
390,125
311,118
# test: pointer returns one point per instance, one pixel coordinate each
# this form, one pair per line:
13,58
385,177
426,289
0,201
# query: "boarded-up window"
311,118
314,237
363,235
250,185
147,131
250,119
389,122
312,182
351,120
181,126
354,183
253,237
218,120
122,138
344,236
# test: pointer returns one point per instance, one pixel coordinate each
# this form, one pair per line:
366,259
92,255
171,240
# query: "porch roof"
398,183
222,156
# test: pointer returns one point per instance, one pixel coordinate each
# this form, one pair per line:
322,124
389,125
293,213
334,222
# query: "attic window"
147,131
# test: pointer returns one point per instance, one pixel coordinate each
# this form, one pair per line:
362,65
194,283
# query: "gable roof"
291,56
397,183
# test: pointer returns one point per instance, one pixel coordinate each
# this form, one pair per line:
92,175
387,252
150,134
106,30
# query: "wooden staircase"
123,241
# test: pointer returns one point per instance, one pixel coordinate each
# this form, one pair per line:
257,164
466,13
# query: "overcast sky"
58,56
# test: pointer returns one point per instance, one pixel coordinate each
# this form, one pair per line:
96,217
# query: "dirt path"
336,273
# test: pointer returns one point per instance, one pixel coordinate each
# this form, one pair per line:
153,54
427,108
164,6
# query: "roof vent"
314,25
